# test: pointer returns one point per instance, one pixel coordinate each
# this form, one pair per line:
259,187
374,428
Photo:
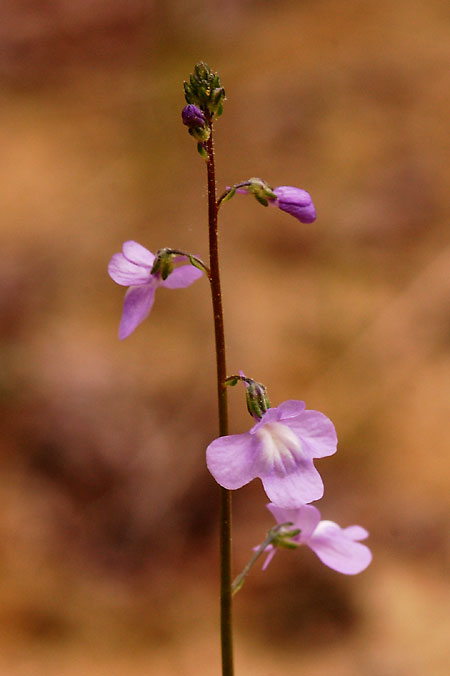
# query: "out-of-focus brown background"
108,517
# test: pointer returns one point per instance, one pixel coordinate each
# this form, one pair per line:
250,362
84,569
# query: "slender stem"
226,192
272,535
226,629
240,579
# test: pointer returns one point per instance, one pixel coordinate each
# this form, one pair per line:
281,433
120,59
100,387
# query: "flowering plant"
281,446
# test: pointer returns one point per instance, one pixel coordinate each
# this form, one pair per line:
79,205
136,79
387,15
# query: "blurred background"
108,516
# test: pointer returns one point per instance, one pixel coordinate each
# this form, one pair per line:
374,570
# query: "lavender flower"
279,450
338,548
296,202
193,116
133,268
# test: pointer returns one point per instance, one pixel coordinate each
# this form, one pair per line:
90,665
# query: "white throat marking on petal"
280,448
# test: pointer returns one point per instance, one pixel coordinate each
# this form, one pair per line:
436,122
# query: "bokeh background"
108,517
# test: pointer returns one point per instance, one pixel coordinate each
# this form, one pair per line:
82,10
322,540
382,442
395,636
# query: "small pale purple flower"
132,268
279,450
193,116
338,548
296,202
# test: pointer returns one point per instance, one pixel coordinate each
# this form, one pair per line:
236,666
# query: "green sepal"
261,200
202,151
229,195
286,544
193,262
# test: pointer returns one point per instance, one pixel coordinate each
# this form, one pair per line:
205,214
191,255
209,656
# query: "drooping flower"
338,548
133,268
279,450
192,116
296,202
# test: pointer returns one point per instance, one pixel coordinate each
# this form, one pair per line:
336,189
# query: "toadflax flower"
133,268
279,450
296,202
338,548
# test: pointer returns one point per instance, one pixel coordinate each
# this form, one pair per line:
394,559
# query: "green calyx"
256,395
205,90
282,538
163,264
260,190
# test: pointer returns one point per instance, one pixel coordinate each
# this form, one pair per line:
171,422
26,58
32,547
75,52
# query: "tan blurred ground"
108,517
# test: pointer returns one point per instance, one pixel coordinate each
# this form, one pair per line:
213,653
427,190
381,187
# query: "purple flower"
193,116
133,268
338,548
279,449
296,202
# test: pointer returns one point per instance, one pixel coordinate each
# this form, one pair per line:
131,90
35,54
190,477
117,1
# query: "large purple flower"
133,268
296,202
279,450
336,547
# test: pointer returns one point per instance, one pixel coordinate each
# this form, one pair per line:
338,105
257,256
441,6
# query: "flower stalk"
226,628
272,536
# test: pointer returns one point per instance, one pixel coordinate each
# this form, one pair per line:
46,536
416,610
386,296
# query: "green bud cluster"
205,90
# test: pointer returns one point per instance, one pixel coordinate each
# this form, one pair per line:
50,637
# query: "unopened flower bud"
192,116
257,400
296,202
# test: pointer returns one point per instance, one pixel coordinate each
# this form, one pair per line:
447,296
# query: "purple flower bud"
193,116
296,202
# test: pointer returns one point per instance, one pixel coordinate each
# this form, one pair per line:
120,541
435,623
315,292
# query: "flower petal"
270,550
271,415
296,488
305,517
138,254
181,277
356,532
338,551
290,409
230,460
296,202
136,307
317,431
125,273
292,195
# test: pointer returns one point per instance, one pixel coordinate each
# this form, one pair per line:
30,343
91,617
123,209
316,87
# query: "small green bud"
257,400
